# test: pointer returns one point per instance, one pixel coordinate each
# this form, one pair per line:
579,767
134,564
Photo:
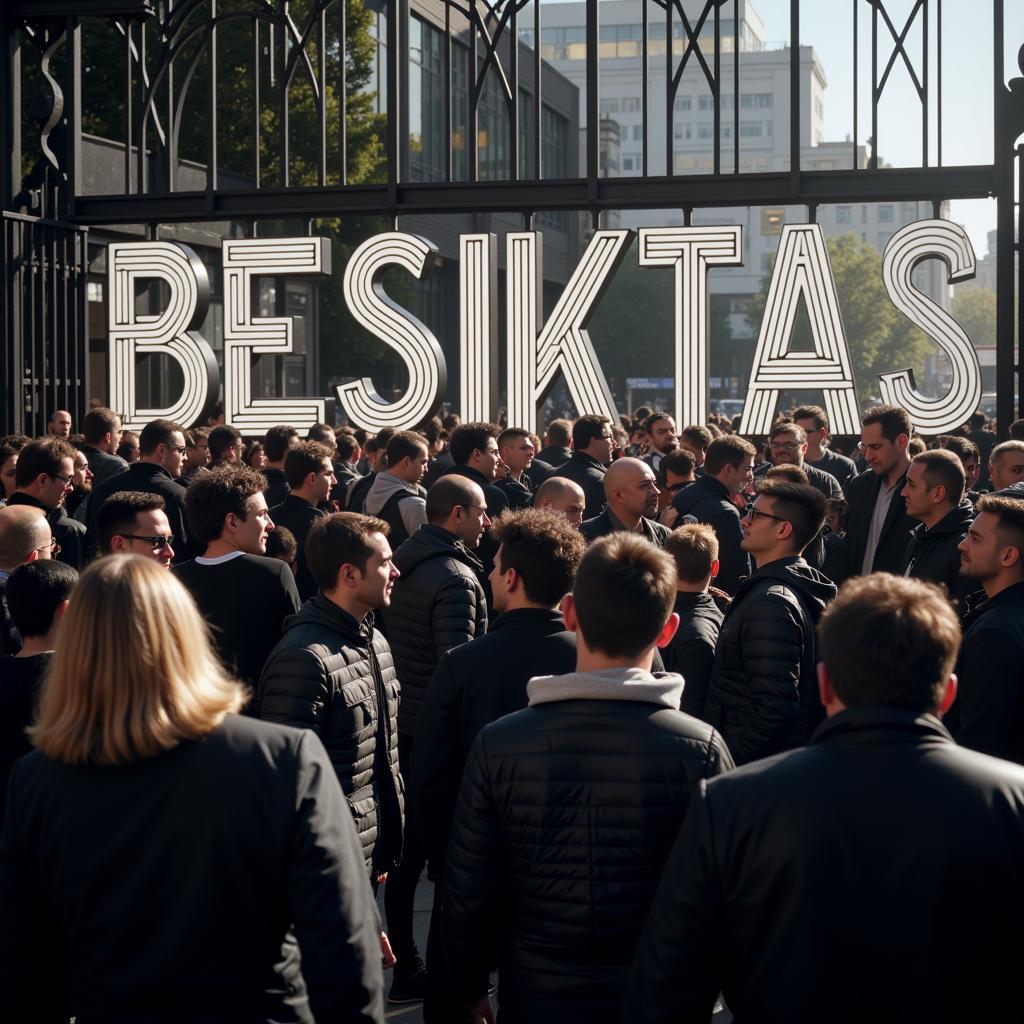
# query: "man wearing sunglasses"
135,523
163,457
762,696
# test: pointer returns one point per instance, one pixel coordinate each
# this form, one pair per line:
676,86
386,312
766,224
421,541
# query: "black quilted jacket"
333,675
566,815
437,603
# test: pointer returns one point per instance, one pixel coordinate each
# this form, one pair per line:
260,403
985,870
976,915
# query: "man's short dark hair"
559,433
943,467
893,419
962,447
12,444
1017,430
999,449
694,548
196,434
118,512
801,505
406,444
156,433
281,543
681,462
277,440
727,451
468,438
512,434
1009,513
889,640
347,445
321,432
813,412
304,458
543,548
451,490
978,419
42,456
341,538
648,424
587,429
220,439
99,422
35,591
791,428
218,492
642,579
787,471
697,435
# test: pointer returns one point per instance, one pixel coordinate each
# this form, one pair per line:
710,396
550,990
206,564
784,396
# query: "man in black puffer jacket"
438,604
332,672
763,691
561,829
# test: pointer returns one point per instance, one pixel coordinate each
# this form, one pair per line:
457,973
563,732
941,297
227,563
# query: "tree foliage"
975,310
880,338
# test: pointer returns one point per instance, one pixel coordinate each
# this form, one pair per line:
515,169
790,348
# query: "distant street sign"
650,383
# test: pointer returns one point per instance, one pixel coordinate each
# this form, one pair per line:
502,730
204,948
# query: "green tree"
975,311
879,337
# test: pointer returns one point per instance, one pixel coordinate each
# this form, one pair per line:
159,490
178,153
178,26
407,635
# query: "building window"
842,215
638,132
705,131
630,104
885,214
554,154
628,163
683,102
751,131
704,103
427,142
772,221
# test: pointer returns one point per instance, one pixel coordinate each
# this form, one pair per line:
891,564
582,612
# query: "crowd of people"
667,716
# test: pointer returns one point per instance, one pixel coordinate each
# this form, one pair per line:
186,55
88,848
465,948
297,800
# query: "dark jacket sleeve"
459,614
693,659
677,971
436,767
990,692
290,602
470,895
294,689
719,758
733,561
329,896
771,639
33,983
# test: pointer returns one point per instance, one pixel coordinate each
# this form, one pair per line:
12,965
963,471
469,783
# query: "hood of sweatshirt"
662,688
956,522
431,541
383,488
816,588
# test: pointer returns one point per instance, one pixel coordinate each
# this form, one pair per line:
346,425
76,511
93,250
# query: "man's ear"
58,612
668,631
117,543
568,609
514,580
949,696
825,692
715,567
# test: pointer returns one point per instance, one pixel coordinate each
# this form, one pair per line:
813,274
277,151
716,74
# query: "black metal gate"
42,309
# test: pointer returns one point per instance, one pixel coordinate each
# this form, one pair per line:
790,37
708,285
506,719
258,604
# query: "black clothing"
161,890
345,474
102,464
19,690
537,472
933,554
474,685
436,604
336,677
691,652
607,523
839,466
554,456
245,599
355,499
821,480
277,488
439,465
497,503
518,494
985,440
150,479
709,501
881,845
67,532
763,694
10,639
589,474
896,529
990,671
298,515
560,834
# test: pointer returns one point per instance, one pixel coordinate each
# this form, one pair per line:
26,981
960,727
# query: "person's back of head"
447,494
277,440
1016,432
35,592
468,438
348,445
156,433
623,595
943,469
587,429
694,548
978,420
559,433
282,545
680,463
787,471
542,549
799,505
224,442
405,444
696,436
893,421
889,640
123,688
216,493
24,535
100,427
117,516
727,451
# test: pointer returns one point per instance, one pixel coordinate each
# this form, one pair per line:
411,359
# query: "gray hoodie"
664,688
413,509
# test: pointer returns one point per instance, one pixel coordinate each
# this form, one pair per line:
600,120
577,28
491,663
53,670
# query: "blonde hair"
129,679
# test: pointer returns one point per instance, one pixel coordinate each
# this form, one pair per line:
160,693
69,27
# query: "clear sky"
967,77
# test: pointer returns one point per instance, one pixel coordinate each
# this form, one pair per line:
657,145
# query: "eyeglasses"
790,446
179,448
52,546
752,513
675,487
65,480
478,508
157,543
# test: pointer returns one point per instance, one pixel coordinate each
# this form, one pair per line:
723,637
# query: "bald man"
632,494
24,536
560,494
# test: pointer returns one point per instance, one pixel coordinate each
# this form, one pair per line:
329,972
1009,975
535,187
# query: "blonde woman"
157,846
